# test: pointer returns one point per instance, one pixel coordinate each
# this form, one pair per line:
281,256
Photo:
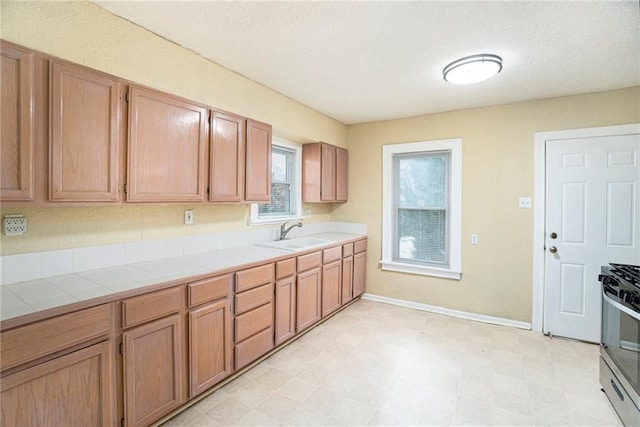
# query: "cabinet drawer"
30,342
253,321
360,246
209,290
247,279
253,298
347,250
285,268
331,254
249,350
307,262
148,307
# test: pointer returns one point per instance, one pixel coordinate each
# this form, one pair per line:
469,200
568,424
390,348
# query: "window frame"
254,215
389,226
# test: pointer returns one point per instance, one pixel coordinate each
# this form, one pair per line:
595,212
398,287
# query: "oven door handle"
620,307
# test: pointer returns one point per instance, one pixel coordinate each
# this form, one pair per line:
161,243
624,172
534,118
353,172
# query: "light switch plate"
474,239
524,202
188,217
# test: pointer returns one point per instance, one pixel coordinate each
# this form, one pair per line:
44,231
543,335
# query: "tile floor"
379,364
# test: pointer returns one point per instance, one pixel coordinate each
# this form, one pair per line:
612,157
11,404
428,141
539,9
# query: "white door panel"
592,197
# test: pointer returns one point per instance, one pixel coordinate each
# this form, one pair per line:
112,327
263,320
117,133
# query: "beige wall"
87,34
498,167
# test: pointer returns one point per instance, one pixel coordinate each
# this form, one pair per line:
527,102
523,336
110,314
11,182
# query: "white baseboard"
448,311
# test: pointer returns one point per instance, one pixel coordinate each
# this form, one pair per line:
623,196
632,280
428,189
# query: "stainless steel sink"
297,244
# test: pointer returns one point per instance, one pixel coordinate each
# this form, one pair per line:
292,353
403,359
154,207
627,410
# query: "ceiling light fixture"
472,69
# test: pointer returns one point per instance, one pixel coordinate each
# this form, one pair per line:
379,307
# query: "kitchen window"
422,200
286,199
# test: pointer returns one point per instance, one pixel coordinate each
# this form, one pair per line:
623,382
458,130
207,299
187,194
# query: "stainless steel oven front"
620,344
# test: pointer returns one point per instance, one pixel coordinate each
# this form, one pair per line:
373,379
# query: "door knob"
553,249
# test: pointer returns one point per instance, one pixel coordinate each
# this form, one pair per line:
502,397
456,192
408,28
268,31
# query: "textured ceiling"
367,61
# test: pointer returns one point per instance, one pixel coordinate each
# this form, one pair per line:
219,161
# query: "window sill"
275,220
420,270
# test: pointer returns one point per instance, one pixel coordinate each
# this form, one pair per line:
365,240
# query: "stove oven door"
621,342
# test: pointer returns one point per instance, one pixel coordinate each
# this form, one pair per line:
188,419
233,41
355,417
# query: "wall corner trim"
448,312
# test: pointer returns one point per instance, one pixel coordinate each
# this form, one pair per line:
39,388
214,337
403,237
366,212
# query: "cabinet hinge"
125,189
122,352
122,422
126,97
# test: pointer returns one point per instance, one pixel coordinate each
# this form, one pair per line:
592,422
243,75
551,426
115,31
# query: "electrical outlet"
524,202
14,225
188,217
474,239
307,213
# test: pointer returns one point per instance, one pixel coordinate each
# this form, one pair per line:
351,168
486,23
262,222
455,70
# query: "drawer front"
247,279
155,305
209,290
30,342
360,246
331,254
347,250
253,321
253,298
251,349
285,268
307,262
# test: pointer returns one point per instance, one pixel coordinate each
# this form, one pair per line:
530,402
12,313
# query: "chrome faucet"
284,231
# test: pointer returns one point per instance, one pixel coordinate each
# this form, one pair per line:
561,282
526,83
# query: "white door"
591,219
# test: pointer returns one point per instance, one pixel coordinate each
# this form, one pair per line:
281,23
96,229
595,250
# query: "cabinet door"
342,174
331,289
328,173
359,273
84,138
285,309
16,115
152,370
258,163
308,298
347,279
167,145
226,158
77,389
209,345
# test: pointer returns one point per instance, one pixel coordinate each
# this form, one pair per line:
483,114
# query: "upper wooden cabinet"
84,134
167,148
342,175
258,162
227,157
239,159
324,173
17,116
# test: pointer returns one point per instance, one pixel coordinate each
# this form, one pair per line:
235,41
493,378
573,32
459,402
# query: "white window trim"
253,216
455,208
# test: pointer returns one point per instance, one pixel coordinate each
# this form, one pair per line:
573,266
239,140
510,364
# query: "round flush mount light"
472,69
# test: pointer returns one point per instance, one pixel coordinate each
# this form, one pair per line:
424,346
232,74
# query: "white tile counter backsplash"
94,259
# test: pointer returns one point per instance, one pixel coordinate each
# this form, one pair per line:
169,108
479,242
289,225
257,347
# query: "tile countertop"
25,302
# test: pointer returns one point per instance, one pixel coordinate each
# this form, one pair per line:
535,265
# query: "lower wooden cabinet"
308,298
285,326
359,273
77,389
347,279
153,370
331,289
210,348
